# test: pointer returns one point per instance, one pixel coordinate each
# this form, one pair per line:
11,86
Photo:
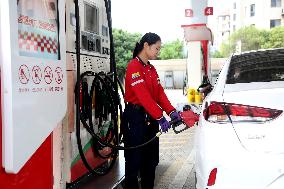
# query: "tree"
249,37
172,50
217,54
226,49
275,38
124,43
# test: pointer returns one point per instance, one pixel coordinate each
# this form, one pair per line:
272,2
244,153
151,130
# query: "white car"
239,140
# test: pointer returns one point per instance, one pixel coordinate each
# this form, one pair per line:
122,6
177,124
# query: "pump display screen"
38,28
91,19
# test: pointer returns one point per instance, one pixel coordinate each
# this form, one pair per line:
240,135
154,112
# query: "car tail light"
219,112
212,177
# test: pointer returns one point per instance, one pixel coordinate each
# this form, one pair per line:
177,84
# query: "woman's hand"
165,125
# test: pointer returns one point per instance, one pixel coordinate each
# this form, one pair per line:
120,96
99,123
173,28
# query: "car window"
256,67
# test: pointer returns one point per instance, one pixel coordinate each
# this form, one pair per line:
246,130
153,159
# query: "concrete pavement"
176,166
175,170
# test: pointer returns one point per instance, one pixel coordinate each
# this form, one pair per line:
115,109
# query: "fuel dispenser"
33,89
90,65
59,102
97,136
197,37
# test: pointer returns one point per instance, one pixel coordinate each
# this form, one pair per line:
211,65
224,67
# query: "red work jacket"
142,87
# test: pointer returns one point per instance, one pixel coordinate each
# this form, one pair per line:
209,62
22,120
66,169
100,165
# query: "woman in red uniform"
146,101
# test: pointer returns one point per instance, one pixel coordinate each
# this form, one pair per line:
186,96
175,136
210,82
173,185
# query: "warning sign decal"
24,74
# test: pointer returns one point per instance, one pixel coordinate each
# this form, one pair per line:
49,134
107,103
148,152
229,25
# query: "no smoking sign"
36,74
48,75
58,75
24,74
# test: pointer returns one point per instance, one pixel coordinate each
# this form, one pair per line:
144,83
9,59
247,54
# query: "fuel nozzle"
186,107
188,119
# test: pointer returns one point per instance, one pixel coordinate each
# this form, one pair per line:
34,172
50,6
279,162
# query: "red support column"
204,44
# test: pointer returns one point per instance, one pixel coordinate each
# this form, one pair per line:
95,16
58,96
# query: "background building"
172,72
221,29
263,14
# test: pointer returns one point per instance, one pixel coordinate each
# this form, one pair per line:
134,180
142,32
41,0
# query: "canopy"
197,32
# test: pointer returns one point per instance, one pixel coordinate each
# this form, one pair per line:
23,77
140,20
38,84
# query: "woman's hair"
150,38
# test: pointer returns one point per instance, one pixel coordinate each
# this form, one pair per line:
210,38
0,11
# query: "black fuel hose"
77,96
99,170
103,109
114,99
116,95
117,147
88,127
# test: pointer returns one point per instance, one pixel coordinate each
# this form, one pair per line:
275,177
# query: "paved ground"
175,170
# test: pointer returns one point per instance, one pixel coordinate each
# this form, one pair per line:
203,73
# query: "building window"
274,23
235,5
234,28
252,10
234,17
104,30
275,3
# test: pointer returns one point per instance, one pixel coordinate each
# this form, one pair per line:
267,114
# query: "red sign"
58,75
188,13
36,74
208,11
24,74
48,75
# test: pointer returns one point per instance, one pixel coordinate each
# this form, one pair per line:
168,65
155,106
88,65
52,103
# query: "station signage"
33,74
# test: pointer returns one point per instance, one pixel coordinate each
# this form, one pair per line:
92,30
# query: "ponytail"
150,38
138,48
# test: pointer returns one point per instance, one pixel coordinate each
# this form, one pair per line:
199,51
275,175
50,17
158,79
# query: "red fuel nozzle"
189,118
